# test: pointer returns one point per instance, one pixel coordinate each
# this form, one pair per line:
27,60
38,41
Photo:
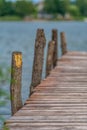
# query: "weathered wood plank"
57,105
60,101
50,128
56,124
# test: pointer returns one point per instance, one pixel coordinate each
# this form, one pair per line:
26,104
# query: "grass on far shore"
18,18
10,18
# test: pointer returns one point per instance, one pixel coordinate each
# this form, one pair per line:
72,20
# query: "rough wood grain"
63,43
59,102
16,77
55,38
50,58
38,59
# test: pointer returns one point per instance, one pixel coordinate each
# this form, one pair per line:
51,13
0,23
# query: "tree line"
27,7
20,8
73,7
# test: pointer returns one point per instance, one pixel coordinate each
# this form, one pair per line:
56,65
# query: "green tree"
6,8
19,7
24,8
56,6
74,10
82,5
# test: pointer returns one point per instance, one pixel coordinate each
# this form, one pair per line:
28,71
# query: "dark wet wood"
60,101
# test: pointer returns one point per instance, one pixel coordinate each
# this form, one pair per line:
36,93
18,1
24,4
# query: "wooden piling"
63,43
55,38
38,59
16,77
50,54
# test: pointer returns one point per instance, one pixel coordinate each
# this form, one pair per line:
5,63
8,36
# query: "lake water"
20,36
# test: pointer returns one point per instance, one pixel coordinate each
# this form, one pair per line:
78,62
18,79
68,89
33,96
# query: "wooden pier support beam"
55,38
50,54
38,59
63,43
16,77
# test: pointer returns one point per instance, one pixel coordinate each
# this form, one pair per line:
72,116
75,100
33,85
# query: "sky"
32,0
36,0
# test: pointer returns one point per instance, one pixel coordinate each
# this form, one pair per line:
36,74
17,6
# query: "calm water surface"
20,36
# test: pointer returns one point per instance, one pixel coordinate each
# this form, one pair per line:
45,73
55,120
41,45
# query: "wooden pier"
60,101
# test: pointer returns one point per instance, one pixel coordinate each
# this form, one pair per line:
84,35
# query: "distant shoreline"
17,18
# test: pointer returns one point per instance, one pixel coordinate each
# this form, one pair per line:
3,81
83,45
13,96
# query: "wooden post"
63,43
16,77
55,38
38,59
50,54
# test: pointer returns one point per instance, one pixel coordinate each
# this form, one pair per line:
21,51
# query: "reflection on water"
20,36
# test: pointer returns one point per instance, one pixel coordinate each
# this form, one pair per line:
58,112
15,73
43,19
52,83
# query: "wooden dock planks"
60,101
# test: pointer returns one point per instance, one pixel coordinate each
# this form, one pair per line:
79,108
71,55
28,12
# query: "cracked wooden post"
50,54
16,77
63,43
38,59
55,38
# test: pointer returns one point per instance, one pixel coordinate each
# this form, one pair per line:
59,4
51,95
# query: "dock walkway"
60,101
